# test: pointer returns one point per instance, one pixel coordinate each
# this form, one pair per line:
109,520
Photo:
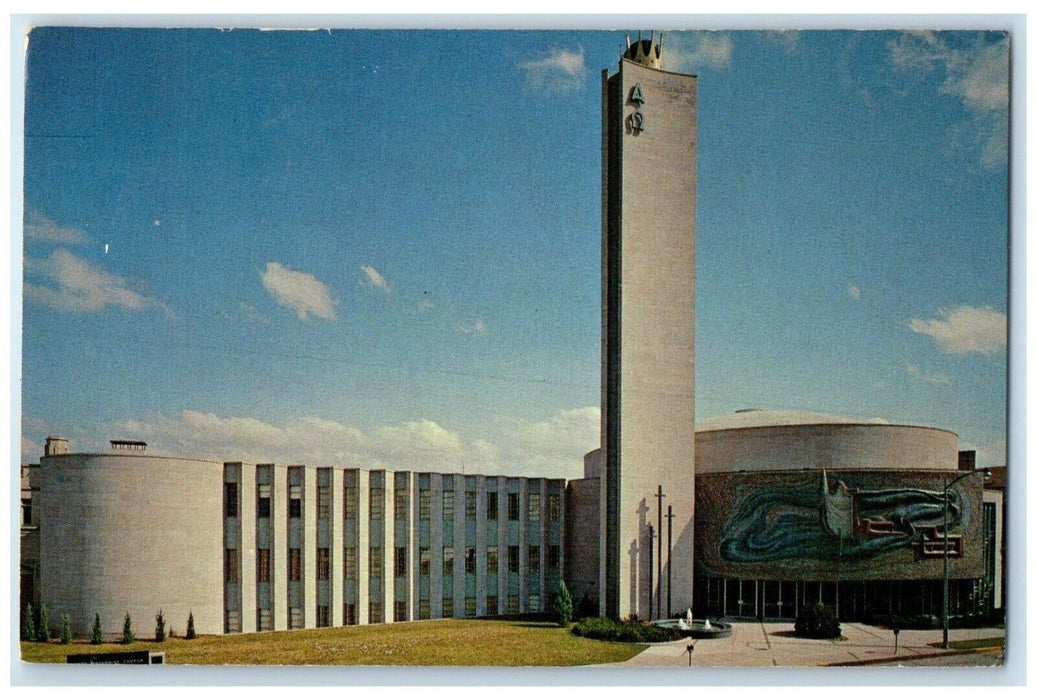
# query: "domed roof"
759,418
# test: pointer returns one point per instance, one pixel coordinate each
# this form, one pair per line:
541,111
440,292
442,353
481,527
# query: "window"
469,607
323,616
426,558
350,504
233,621
324,502
513,559
448,561
554,507
401,504
469,560
295,618
513,506
425,504
265,620
491,505
231,566
349,613
26,511
375,562
399,613
491,560
513,605
424,610
230,500
263,505
323,564
263,566
448,607
350,563
377,503
534,559
400,566
534,602
448,505
491,605
295,501
469,505
294,564
375,612
554,557
534,507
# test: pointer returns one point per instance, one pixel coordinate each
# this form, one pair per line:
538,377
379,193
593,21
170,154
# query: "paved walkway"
773,644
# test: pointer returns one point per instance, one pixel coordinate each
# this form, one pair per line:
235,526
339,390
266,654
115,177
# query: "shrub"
562,606
127,630
28,624
818,622
66,629
97,636
628,631
160,627
190,626
43,628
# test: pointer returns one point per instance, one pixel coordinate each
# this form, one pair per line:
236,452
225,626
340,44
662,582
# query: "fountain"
696,629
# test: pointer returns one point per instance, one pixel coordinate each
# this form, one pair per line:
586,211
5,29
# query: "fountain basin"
699,629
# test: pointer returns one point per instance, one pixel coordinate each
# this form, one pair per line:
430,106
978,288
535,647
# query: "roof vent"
134,445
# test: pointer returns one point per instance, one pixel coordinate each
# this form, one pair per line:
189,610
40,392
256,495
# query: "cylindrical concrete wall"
131,534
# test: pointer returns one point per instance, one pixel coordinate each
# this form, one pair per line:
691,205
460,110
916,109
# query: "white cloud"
966,329
518,447
373,278
38,227
299,290
561,71
31,451
926,377
478,327
854,291
692,51
70,283
977,75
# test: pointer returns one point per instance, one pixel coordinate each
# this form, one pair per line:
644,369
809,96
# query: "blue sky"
381,249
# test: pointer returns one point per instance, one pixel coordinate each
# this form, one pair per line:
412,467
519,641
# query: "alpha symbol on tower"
637,96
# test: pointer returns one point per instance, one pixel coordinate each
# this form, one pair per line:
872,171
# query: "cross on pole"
659,495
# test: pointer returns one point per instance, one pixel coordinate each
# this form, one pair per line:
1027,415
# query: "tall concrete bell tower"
648,173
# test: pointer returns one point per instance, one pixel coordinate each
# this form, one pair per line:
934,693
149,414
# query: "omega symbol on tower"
637,119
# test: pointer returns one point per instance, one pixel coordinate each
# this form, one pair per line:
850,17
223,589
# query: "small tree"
127,630
28,624
818,622
43,628
97,636
190,626
160,627
66,629
562,605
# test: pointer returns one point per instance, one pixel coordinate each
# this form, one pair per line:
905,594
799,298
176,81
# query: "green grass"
965,644
426,643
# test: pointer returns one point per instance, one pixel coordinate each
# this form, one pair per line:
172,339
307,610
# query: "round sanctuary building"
794,508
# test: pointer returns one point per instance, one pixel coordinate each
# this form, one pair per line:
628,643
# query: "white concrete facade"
131,533
248,548
649,127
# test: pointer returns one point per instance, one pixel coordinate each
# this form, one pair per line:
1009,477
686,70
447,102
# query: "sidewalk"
772,644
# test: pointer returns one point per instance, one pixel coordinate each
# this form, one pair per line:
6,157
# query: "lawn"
425,643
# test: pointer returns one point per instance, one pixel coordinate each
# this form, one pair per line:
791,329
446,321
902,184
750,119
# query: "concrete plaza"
754,643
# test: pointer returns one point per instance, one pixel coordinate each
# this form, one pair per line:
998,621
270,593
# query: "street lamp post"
946,554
